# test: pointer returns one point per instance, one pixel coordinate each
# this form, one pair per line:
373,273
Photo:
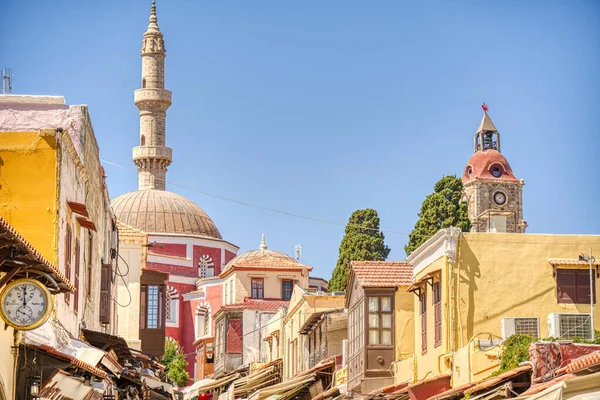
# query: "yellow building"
53,191
489,286
308,336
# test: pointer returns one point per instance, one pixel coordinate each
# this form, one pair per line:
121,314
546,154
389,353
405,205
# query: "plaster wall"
128,290
404,329
253,328
429,361
28,187
509,275
272,282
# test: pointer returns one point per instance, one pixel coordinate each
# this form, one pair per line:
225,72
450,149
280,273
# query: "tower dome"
159,211
263,258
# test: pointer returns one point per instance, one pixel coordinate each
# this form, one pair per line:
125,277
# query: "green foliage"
515,350
441,209
358,244
174,362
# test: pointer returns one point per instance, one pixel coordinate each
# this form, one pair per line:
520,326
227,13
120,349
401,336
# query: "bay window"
380,321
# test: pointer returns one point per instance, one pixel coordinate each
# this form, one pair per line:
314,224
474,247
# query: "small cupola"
487,136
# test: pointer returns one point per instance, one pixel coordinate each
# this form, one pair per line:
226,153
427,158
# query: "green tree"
441,209
174,362
363,241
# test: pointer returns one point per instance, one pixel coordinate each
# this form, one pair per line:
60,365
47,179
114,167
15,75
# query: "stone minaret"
152,157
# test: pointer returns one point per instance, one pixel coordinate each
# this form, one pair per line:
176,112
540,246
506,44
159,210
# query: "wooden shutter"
77,265
582,282
566,285
424,322
234,337
143,301
105,294
437,309
68,240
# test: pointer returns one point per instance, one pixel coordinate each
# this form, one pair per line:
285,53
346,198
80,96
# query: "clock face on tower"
25,304
499,198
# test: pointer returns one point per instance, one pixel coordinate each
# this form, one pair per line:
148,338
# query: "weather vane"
485,107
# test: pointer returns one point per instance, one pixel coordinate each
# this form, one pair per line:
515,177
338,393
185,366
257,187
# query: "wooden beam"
9,275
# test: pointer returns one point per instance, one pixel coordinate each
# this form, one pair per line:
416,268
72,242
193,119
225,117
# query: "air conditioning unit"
520,326
568,326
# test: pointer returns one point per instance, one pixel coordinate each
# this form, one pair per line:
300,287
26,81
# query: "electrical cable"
122,276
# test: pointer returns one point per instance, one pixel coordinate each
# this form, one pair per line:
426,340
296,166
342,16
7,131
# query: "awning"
315,318
578,388
62,385
18,256
267,375
53,339
286,390
193,391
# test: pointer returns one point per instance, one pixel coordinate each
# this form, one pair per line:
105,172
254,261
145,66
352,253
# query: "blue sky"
321,108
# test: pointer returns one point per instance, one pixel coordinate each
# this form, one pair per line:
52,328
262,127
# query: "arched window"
172,307
206,267
143,83
203,320
143,140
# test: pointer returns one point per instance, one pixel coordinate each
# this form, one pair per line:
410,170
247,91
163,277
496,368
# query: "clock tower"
493,193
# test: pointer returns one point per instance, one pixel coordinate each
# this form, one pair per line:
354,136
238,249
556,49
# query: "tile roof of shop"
382,273
28,255
257,304
505,376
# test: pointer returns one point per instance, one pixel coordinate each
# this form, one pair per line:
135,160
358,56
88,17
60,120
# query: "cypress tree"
363,241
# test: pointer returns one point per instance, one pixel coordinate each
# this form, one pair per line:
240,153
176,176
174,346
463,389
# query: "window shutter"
234,337
105,295
77,265
583,286
68,240
424,322
566,286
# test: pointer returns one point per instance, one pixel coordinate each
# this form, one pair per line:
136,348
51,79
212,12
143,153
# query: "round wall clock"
499,198
25,304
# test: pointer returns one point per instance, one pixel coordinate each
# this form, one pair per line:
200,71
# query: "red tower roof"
488,164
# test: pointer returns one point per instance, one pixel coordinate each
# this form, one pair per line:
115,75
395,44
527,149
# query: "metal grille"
527,326
575,325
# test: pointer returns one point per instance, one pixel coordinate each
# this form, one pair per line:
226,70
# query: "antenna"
298,252
6,81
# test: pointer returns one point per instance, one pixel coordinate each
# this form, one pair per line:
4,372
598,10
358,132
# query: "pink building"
181,241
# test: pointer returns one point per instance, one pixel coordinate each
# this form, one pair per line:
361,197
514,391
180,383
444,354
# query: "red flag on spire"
485,107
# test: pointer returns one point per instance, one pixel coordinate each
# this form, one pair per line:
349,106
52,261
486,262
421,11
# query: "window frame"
380,313
423,312
286,290
578,273
88,282
437,312
260,289
77,272
68,258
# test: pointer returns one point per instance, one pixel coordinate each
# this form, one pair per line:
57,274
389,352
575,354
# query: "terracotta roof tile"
382,273
584,362
489,383
257,304
32,257
571,261
127,230
545,385
76,362
455,391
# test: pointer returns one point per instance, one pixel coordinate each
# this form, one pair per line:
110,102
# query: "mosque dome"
158,211
264,258
488,164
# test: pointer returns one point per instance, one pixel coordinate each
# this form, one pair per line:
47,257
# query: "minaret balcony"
152,95
153,152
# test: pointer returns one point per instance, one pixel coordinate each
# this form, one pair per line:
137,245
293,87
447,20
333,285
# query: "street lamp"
34,390
591,260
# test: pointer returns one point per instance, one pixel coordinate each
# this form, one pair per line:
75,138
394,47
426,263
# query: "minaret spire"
152,156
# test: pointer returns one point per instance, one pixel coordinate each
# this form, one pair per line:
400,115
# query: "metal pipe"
45,275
